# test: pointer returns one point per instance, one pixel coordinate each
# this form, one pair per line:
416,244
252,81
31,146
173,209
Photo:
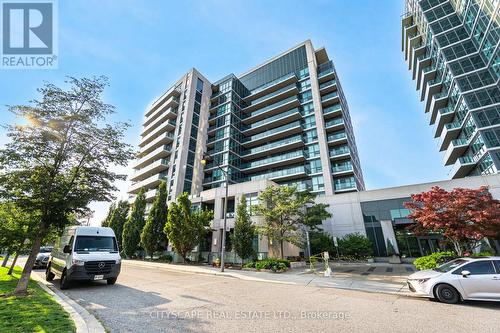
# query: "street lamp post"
226,177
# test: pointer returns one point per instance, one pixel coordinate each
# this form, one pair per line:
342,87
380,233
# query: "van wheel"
64,281
49,276
111,281
447,294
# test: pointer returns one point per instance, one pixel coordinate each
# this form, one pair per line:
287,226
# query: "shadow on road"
123,308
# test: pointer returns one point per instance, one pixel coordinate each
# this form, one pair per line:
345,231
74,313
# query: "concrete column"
320,122
388,232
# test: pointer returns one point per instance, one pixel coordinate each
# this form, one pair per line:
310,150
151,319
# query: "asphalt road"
153,300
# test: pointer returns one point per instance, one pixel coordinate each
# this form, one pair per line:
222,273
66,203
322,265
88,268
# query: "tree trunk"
7,255
13,264
22,284
282,251
458,248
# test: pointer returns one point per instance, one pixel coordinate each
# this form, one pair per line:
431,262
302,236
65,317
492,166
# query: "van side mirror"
465,273
67,249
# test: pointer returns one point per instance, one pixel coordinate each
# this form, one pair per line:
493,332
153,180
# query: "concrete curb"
84,321
324,284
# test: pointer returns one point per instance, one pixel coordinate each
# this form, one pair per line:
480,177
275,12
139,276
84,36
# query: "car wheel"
447,294
111,281
49,276
64,281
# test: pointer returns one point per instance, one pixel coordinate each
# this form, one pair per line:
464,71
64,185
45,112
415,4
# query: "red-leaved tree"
463,216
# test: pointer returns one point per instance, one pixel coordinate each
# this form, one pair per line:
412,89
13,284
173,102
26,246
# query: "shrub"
166,258
482,254
250,264
433,260
321,242
356,246
276,265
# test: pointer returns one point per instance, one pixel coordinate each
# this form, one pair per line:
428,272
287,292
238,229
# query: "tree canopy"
287,212
185,226
463,216
152,236
244,232
131,235
58,159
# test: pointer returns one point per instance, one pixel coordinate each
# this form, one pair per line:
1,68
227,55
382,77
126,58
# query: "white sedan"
460,279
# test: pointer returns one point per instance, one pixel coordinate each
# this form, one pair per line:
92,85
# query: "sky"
145,46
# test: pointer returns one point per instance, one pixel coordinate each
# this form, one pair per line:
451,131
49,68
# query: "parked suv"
460,279
84,253
42,258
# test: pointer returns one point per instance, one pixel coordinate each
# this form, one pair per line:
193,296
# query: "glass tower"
452,51
286,120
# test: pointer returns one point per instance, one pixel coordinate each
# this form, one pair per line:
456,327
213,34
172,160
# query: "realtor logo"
28,34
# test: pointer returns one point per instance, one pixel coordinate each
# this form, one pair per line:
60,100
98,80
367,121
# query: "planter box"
297,264
394,260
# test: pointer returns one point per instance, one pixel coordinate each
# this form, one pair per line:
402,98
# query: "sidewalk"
379,284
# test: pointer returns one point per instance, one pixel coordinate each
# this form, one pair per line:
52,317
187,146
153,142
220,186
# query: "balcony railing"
272,118
334,122
336,136
281,173
272,145
339,151
329,96
272,131
269,84
270,107
327,83
273,159
332,108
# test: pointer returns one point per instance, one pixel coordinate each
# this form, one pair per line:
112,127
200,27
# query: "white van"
85,253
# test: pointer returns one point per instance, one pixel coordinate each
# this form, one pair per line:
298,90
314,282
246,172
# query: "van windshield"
95,243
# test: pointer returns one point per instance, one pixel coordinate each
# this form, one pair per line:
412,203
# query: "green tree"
321,242
244,232
57,162
107,220
16,227
118,219
186,227
131,235
355,245
152,236
287,212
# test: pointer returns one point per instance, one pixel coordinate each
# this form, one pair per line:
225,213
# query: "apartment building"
286,120
451,47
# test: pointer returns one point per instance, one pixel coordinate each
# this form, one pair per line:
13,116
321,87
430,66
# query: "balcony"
337,138
334,124
271,86
166,126
406,21
148,183
340,188
272,98
273,121
428,74
438,101
328,86
418,51
456,149
332,111
343,169
266,163
270,110
274,133
326,71
150,170
330,98
462,167
423,61
283,174
159,141
444,116
274,147
170,113
162,104
450,132
340,153
160,152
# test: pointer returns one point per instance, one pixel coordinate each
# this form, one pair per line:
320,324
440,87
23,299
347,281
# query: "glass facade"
264,125
452,49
